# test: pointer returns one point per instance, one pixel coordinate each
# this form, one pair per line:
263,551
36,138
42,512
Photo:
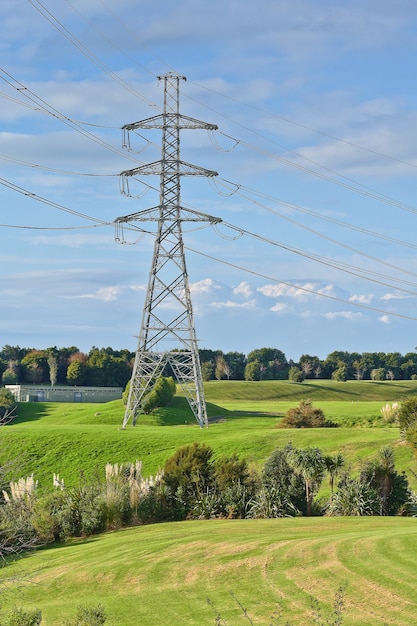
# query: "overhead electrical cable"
133,34
54,228
4,157
38,6
55,205
53,112
301,288
361,273
342,266
110,41
351,184
326,237
304,126
321,216
289,284
45,12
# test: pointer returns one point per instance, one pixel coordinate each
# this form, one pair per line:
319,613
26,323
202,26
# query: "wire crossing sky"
316,153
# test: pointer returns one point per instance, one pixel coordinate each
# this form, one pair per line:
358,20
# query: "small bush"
304,416
19,617
390,412
88,616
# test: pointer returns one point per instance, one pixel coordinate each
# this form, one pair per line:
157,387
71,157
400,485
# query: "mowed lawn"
195,572
190,572
73,440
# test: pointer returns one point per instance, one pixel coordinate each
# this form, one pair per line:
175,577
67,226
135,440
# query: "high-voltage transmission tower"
167,333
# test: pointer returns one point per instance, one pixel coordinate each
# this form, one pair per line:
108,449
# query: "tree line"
105,367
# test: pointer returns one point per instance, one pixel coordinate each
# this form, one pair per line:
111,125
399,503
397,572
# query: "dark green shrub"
354,497
279,475
189,473
19,617
88,616
407,414
304,416
270,502
159,505
392,487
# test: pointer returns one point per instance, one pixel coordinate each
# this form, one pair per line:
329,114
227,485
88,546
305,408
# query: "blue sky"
316,153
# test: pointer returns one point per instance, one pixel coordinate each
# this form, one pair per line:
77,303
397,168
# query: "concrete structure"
47,393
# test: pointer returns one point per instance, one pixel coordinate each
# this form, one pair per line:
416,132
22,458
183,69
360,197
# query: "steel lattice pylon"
167,333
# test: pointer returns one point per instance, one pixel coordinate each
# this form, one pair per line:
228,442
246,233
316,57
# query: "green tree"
228,470
334,464
272,363
88,616
207,370
20,617
35,366
7,401
253,371
340,374
53,367
221,370
296,375
236,362
189,473
9,377
309,365
308,463
161,394
378,374
392,487
279,475
76,373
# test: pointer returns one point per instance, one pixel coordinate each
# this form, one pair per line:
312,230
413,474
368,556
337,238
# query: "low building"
47,393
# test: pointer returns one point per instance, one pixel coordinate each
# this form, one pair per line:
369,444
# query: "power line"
37,166
55,205
304,126
298,287
74,41
55,113
19,227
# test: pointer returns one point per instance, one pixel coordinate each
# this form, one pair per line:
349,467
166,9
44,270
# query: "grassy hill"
184,573
188,572
67,439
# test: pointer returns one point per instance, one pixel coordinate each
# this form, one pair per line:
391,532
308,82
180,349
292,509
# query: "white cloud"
105,294
279,307
207,286
362,298
229,304
298,291
349,315
394,296
385,319
244,289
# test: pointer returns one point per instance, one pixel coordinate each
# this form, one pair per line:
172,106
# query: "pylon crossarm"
153,214
172,120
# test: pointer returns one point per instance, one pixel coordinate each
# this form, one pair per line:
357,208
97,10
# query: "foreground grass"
164,574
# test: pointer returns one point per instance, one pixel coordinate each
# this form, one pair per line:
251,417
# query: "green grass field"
70,439
164,574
